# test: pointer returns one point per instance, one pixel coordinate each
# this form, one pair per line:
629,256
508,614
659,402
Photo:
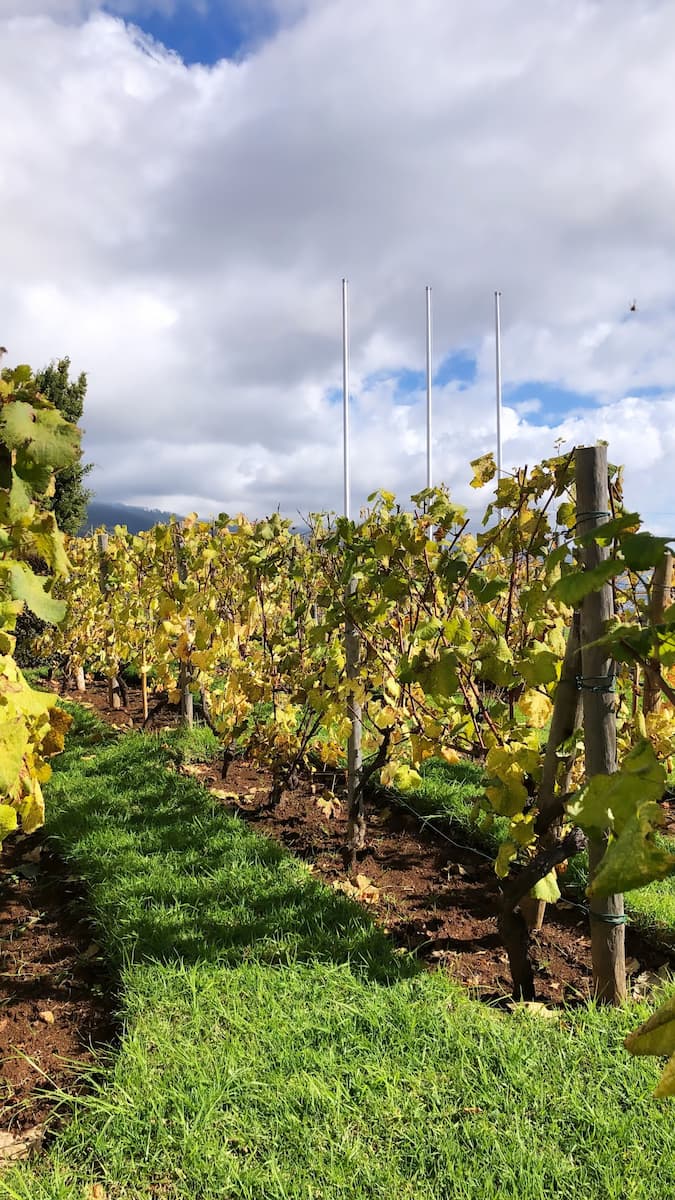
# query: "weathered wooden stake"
80,682
662,584
144,688
356,827
599,705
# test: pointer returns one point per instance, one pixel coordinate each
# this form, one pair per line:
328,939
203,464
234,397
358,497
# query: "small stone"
47,1016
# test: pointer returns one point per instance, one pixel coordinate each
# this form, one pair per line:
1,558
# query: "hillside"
109,514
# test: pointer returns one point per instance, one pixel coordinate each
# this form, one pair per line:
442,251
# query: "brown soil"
54,992
433,896
162,715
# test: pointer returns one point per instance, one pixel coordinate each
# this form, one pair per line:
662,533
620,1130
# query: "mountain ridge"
109,513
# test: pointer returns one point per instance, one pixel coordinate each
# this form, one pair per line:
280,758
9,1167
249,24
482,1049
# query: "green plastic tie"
609,918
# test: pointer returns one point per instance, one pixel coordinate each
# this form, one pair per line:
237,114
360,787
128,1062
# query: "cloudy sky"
185,182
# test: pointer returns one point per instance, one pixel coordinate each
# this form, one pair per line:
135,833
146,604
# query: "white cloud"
181,233
77,10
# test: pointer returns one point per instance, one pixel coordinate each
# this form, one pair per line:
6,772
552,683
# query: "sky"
184,183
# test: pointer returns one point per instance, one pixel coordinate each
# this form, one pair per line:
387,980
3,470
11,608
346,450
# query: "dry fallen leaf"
96,1192
362,889
13,1148
534,1007
47,1016
92,950
329,806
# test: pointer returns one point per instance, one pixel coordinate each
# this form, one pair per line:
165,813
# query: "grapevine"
34,442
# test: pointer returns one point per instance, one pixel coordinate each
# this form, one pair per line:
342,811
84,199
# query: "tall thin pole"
429,452
498,378
345,399
356,825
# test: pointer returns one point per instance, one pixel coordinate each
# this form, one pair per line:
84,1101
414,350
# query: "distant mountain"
110,514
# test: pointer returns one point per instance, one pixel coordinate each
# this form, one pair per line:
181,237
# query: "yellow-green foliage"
34,442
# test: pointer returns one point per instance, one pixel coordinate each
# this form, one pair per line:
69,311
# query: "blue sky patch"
220,30
554,402
458,367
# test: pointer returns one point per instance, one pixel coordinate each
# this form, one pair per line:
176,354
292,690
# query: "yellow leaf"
536,708
506,855
32,810
8,821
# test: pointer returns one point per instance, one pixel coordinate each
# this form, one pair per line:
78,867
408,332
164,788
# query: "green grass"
196,745
276,1047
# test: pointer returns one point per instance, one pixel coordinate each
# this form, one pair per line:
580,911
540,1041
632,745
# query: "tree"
70,499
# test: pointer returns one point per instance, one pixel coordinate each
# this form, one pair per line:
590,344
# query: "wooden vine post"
356,829
114,689
662,584
186,699
144,687
596,682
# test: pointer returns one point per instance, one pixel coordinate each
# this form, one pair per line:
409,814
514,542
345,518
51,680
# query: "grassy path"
276,1048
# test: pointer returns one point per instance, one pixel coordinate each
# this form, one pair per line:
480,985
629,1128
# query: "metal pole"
356,828
498,377
429,453
345,399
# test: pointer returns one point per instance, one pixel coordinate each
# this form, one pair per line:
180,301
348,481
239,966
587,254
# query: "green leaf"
572,588
633,858
610,801
566,513
539,665
38,477
547,888
486,590
605,533
384,546
42,432
436,676
15,502
26,586
49,542
497,664
642,550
